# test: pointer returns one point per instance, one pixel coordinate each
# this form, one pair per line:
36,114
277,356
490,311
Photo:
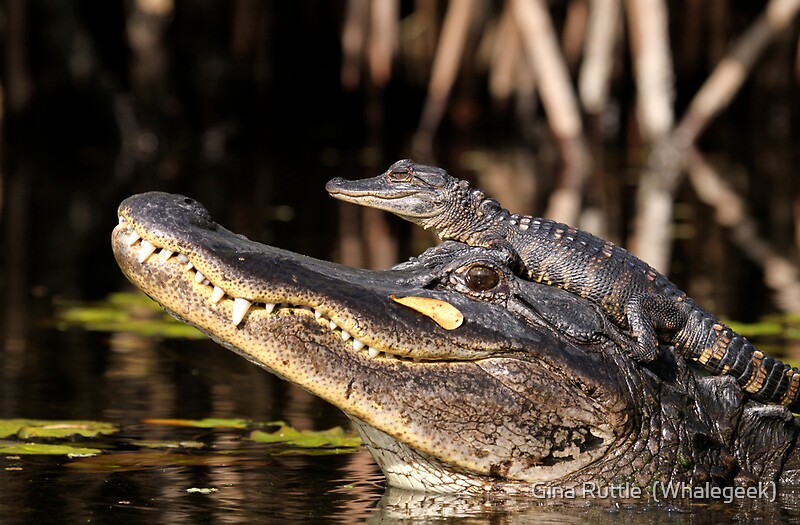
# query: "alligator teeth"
240,308
123,220
133,237
147,251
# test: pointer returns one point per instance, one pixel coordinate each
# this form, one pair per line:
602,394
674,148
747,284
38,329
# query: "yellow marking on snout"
443,313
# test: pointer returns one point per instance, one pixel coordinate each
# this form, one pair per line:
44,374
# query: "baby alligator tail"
720,350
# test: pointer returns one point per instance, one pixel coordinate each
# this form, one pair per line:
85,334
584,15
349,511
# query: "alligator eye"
482,278
402,175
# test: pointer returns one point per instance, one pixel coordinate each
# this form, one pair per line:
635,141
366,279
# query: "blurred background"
669,127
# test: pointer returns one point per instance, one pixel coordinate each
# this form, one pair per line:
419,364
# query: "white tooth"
357,345
240,307
199,277
165,254
389,355
317,314
147,251
133,238
122,220
373,353
333,325
189,266
182,258
270,307
217,294
345,335
206,282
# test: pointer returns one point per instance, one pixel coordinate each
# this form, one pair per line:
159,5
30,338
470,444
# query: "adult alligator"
528,388
630,292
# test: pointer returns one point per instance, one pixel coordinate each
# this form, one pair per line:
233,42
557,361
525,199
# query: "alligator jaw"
149,266
405,199
465,424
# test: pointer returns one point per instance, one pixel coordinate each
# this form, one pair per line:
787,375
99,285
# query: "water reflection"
402,506
125,378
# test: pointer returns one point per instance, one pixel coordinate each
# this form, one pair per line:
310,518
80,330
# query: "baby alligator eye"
482,278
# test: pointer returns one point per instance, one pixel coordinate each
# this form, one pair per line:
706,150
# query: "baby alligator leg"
645,313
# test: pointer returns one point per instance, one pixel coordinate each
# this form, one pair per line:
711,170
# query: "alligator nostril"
187,200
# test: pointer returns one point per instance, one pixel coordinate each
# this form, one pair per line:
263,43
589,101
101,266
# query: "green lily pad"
333,437
39,428
322,451
125,312
48,450
760,329
212,423
152,443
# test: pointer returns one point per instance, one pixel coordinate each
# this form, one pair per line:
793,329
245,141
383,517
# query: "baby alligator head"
419,193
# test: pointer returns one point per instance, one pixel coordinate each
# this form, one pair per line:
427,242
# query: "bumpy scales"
632,293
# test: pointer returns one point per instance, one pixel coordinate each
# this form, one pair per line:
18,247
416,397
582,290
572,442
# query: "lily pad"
125,312
760,329
333,437
152,443
42,428
212,423
45,449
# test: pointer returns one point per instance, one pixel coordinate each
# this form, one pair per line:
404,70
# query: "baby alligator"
632,293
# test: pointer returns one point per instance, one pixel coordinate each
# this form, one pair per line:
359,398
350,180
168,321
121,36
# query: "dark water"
125,378
255,136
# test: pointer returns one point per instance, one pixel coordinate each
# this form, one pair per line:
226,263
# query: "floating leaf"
152,443
334,437
48,450
125,312
760,329
42,428
443,313
322,451
212,423
204,490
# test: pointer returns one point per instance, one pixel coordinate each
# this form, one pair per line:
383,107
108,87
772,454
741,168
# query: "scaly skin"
632,293
530,388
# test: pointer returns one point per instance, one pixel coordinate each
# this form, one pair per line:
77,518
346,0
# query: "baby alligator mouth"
146,252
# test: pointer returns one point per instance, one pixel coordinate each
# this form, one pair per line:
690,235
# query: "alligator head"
460,376
420,193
